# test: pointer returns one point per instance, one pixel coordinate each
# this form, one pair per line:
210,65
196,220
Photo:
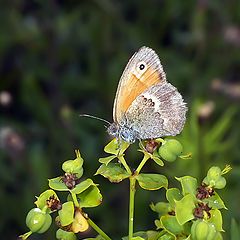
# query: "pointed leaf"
172,195
57,184
216,133
107,160
150,181
113,171
115,147
66,214
189,184
82,186
215,202
184,208
90,197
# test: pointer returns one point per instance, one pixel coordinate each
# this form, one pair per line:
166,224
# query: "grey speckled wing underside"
157,112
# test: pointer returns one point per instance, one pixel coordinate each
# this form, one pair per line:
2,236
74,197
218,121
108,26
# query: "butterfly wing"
143,70
160,111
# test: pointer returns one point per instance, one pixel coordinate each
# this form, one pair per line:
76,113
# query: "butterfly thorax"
122,131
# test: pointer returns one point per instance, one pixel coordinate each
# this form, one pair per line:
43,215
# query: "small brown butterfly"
146,106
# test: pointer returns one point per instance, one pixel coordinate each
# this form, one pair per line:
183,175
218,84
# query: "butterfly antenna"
90,116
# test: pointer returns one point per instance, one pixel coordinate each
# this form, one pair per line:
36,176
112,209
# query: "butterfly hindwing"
160,111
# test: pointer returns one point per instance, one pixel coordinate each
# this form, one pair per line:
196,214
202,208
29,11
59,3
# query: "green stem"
98,229
75,201
140,166
124,163
132,191
25,235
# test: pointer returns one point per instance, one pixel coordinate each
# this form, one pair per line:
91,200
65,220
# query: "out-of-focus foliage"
62,58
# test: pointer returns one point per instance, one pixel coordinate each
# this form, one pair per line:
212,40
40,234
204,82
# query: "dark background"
62,58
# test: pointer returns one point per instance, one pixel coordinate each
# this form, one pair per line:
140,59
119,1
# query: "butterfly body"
146,105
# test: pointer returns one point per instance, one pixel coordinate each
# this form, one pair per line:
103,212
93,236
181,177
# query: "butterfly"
146,106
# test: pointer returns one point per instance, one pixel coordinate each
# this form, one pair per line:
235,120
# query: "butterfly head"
122,132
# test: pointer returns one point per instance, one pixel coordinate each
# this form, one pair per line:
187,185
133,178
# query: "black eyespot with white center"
142,66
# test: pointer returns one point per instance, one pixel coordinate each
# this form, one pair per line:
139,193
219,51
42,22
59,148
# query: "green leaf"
162,208
107,160
64,235
66,214
235,230
216,219
41,201
82,186
57,184
149,235
157,159
113,171
137,238
171,224
184,208
90,197
215,202
150,181
172,195
189,184
115,147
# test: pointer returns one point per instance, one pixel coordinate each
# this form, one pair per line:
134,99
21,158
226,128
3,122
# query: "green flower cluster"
70,217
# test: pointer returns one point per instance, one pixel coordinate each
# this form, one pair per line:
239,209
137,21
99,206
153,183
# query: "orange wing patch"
133,88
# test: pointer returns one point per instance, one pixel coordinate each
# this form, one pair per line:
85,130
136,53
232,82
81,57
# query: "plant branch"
75,201
124,163
98,229
142,163
132,191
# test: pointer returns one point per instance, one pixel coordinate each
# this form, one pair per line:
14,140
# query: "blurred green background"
62,58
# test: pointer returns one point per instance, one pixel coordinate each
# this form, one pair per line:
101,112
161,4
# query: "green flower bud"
166,154
170,150
38,221
202,230
214,178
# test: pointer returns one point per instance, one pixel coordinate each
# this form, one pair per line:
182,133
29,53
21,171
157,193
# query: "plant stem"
140,166
98,229
75,201
124,163
25,235
131,206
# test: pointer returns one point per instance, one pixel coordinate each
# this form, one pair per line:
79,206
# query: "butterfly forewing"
143,70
